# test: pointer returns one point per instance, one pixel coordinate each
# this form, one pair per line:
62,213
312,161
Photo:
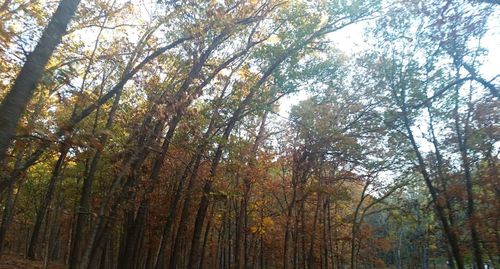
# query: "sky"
350,41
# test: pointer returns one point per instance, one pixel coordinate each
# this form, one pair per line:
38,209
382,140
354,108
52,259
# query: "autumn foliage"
240,134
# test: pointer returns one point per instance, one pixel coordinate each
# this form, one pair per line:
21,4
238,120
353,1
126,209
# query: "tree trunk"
462,145
310,256
202,209
356,223
184,89
42,211
287,228
238,250
440,212
158,260
8,213
14,104
206,236
89,109
181,229
83,209
130,243
440,166
10,202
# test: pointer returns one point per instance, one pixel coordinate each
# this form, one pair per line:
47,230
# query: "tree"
14,104
237,134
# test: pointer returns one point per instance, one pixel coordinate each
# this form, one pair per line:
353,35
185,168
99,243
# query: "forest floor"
8,261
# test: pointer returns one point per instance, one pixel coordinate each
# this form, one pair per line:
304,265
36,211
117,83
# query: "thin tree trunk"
181,229
462,145
7,215
324,247
83,209
238,255
450,234
356,223
130,243
440,167
42,211
296,232
303,233
10,202
171,214
48,235
134,160
398,250
261,250
310,257
205,237
331,253
287,228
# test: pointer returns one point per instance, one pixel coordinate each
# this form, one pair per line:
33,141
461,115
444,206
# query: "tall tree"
14,104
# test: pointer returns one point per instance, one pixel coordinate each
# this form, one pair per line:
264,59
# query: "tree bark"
83,209
8,213
440,212
206,236
42,211
16,101
462,145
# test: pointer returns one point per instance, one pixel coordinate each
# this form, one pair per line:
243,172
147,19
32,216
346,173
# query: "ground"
8,261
